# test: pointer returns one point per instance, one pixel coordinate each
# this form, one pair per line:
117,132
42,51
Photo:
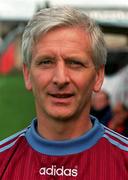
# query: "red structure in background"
7,59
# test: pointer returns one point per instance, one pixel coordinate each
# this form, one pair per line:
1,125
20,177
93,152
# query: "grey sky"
25,8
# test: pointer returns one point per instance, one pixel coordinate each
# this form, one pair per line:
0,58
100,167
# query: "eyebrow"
41,56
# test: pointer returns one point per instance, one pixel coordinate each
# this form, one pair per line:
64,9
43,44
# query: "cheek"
39,80
85,82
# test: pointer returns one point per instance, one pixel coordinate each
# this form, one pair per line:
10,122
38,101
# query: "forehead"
64,37
100,96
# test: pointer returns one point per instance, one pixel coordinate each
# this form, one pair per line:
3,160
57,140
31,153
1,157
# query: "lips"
67,95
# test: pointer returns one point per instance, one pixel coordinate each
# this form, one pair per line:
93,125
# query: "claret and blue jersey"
100,154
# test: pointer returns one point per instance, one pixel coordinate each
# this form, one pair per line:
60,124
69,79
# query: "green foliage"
16,105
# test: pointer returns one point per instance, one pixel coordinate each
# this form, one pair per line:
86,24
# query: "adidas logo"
61,171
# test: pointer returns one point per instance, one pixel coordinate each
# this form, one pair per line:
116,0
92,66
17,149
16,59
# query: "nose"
61,76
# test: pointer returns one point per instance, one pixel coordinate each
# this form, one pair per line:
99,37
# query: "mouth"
62,96
61,99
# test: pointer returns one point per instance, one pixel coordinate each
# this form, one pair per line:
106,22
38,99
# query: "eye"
45,62
75,63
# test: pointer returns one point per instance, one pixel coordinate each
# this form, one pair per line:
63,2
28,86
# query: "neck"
54,130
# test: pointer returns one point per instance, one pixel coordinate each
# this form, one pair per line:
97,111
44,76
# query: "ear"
99,79
27,79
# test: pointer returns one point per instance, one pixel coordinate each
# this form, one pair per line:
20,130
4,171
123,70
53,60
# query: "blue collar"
66,147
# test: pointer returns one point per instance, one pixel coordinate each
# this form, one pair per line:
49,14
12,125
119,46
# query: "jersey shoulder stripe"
116,139
11,140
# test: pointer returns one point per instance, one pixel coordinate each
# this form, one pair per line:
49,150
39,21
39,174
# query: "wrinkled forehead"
72,40
59,29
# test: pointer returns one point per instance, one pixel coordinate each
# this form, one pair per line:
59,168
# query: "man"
64,57
101,107
119,121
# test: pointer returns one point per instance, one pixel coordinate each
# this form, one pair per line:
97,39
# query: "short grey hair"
50,18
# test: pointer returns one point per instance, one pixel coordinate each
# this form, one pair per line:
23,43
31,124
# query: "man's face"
62,75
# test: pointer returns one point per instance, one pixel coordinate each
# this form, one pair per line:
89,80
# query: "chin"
60,113
61,117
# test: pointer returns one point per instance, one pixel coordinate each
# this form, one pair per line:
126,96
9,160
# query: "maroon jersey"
100,154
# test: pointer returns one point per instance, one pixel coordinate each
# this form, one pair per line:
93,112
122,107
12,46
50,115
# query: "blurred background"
17,105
